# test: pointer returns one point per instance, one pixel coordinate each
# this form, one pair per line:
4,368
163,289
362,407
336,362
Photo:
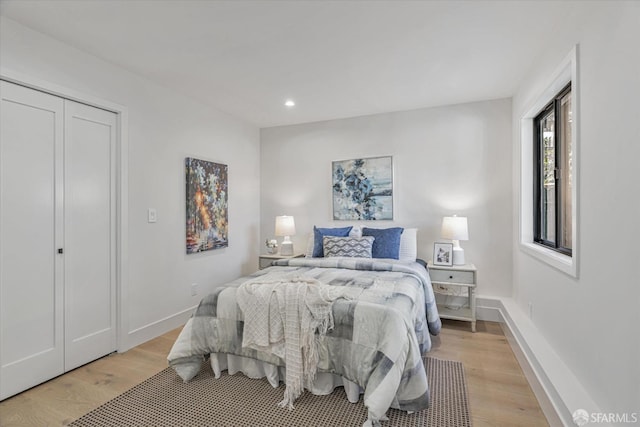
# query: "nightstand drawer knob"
450,277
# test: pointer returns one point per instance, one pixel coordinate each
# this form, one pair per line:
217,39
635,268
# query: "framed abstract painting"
363,189
207,206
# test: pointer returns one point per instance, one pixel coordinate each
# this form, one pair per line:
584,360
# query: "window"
552,168
548,226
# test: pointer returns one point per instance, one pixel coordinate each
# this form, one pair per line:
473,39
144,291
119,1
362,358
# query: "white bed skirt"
252,368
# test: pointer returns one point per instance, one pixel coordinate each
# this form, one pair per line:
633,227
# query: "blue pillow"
319,233
386,243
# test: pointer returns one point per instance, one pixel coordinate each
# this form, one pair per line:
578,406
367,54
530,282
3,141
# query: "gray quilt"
377,341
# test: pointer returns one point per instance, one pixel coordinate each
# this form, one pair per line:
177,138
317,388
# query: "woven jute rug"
235,400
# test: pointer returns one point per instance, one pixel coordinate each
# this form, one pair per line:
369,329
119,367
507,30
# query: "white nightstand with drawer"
444,279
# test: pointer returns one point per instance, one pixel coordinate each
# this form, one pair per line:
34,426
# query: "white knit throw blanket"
282,317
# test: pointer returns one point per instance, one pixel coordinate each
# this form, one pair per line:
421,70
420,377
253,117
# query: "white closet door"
31,281
90,246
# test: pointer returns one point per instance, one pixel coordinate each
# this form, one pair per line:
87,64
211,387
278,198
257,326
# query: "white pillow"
408,245
309,252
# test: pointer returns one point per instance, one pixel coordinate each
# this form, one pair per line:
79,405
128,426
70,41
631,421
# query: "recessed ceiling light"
289,103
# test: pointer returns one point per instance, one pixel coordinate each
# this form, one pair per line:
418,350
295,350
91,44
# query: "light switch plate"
152,215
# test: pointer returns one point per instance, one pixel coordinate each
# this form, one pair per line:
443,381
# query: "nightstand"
265,260
446,280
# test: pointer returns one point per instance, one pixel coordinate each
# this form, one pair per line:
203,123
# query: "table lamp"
285,227
455,228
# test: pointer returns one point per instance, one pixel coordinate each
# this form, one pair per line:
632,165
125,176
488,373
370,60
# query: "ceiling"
336,59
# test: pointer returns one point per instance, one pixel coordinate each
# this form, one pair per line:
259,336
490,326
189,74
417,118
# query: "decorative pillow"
386,243
319,233
355,247
408,245
308,253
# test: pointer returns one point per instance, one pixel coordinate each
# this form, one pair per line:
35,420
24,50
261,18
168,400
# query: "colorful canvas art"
363,189
207,206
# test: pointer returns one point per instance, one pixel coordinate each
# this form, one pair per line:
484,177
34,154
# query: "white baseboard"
488,309
155,329
558,391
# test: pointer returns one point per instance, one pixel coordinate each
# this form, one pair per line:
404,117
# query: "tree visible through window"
552,169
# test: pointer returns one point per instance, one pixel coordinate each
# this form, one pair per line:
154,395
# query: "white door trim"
122,185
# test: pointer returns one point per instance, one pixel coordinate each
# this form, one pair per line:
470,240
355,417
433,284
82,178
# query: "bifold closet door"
89,224
31,230
57,236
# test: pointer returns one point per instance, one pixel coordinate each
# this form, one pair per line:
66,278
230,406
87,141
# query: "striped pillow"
355,247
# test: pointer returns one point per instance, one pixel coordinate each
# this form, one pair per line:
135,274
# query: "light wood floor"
498,391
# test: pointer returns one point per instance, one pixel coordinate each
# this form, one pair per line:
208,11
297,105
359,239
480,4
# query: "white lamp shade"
455,228
285,226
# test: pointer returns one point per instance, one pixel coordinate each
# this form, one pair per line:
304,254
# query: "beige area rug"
235,400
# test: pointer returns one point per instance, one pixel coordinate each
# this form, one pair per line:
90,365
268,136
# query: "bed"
379,330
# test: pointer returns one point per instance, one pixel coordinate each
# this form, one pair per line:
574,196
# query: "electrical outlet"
152,215
194,289
531,310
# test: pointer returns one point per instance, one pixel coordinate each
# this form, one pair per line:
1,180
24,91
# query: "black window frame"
538,181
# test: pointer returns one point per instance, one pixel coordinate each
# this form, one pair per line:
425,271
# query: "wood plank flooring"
498,390
499,393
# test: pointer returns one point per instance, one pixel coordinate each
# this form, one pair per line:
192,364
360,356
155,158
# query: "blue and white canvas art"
363,189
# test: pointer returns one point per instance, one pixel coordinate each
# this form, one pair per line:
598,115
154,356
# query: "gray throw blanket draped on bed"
282,318
377,340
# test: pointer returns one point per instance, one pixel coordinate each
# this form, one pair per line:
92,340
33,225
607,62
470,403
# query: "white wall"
592,322
446,160
164,128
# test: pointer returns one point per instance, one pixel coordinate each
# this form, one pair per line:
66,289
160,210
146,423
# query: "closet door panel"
31,281
90,206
